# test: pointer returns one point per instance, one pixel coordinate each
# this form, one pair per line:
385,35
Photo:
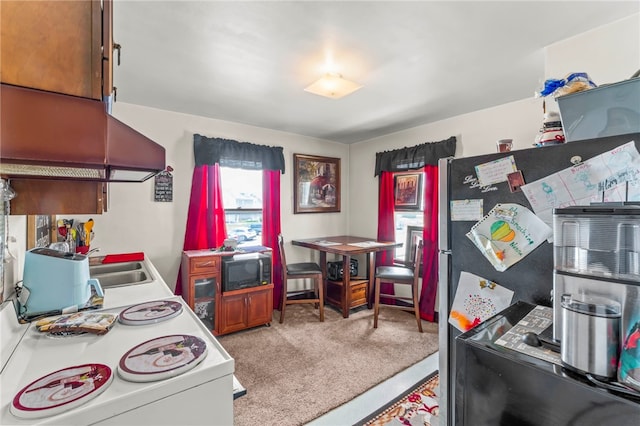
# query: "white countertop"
36,355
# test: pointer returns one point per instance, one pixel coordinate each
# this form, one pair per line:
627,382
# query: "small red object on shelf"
123,257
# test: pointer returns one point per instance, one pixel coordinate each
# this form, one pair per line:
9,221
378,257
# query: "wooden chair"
298,271
400,275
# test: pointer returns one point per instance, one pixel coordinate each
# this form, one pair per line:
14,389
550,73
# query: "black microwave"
244,271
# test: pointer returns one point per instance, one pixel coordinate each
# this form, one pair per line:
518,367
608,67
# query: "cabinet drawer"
203,264
359,293
358,288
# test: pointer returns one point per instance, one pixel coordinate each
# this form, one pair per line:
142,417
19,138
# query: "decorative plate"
162,357
61,391
150,312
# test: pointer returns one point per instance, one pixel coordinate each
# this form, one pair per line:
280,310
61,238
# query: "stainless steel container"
590,334
597,252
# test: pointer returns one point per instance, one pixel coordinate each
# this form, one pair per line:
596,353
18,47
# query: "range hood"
54,136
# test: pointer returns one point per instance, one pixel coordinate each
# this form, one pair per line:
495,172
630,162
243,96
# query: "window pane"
242,198
241,188
402,220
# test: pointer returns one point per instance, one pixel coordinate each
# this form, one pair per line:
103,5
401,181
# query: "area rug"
418,407
297,371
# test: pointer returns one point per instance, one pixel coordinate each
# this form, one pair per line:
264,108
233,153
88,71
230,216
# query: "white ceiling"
419,61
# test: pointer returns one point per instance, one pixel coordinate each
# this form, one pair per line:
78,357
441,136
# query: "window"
403,219
242,198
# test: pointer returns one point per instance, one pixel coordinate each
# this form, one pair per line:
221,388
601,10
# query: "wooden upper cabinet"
51,197
55,45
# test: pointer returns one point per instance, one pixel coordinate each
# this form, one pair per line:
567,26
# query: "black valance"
415,157
239,155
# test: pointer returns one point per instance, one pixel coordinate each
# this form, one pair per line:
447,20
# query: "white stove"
203,394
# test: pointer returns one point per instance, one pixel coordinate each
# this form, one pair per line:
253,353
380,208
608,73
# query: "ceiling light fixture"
333,86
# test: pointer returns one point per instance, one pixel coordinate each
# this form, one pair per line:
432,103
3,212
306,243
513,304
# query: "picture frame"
41,231
316,184
407,191
516,180
410,250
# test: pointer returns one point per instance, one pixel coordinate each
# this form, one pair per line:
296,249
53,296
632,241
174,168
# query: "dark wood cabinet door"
259,307
233,313
53,45
40,196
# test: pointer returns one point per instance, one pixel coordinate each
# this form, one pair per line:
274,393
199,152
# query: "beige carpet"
296,371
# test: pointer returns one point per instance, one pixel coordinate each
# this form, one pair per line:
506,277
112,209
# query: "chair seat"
298,271
400,275
394,273
303,268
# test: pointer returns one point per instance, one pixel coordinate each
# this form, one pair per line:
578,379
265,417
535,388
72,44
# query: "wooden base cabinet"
249,307
222,312
201,284
358,287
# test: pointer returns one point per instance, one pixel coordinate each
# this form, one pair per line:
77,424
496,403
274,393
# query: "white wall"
608,54
135,222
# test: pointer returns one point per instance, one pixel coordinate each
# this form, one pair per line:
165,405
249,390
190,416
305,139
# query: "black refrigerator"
531,279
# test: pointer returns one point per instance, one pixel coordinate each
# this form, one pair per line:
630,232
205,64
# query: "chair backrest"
283,258
417,259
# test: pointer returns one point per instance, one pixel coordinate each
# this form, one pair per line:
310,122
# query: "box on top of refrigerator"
607,110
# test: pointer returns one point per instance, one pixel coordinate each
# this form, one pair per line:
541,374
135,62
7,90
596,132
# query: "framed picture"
41,231
516,180
316,184
407,191
410,244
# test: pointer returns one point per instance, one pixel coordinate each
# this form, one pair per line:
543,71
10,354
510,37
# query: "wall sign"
39,231
163,186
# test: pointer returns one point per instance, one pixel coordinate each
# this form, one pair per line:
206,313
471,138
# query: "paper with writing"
466,209
507,234
495,171
602,178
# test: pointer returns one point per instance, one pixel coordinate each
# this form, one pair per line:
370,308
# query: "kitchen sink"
114,267
120,274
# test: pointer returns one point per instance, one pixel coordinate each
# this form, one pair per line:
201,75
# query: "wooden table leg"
346,284
371,267
323,266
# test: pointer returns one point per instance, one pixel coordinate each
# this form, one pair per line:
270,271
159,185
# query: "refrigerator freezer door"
444,273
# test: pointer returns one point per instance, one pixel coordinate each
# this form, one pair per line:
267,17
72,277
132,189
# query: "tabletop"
341,293
346,244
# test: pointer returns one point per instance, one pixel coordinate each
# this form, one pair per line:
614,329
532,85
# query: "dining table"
348,292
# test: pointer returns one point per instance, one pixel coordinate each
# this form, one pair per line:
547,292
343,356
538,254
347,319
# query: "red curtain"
271,226
205,217
430,241
386,227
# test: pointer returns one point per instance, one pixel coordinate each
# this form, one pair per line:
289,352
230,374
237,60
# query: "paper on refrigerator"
476,300
507,234
602,178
